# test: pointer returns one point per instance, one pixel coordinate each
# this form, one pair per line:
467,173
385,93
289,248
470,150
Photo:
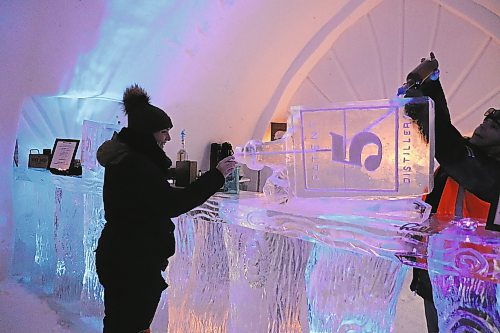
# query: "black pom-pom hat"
142,116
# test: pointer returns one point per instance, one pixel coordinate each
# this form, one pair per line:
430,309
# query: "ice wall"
59,218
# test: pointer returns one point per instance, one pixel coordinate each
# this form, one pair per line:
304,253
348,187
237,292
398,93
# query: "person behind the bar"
467,181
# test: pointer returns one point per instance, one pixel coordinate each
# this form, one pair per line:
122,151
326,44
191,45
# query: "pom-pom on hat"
142,116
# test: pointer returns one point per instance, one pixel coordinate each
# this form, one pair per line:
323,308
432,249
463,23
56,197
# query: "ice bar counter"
325,248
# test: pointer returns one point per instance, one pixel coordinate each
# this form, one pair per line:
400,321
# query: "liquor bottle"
359,149
426,70
182,153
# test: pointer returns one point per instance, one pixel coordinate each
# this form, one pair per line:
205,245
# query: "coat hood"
112,151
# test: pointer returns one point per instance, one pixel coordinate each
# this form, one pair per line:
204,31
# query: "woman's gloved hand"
226,166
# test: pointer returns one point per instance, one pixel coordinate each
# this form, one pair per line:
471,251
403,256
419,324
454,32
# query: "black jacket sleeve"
182,200
164,200
469,166
449,143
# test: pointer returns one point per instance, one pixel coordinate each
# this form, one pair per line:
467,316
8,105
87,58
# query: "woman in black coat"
138,237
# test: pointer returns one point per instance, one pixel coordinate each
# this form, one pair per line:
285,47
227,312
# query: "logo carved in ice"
469,320
353,150
471,261
358,142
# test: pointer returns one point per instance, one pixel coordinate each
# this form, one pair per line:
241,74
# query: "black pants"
129,309
421,284
431,316
132,291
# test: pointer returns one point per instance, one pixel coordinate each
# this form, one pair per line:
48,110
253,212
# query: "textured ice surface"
228,278
364,149
346,270
93,222
397,211
357,233
59,219
286,272
34,207
464,270
68,234
199,279
351,293
93,135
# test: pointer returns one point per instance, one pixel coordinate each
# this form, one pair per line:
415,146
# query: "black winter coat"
138,202
470,167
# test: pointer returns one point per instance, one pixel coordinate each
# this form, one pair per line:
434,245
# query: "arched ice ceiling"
367,55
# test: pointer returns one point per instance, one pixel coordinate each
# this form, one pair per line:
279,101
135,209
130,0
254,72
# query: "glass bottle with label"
182,153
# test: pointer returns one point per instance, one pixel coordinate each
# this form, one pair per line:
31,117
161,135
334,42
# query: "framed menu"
63,154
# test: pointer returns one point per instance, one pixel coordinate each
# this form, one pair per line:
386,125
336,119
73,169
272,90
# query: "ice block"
359,149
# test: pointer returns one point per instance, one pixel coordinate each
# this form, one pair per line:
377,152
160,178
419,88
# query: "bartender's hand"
226,166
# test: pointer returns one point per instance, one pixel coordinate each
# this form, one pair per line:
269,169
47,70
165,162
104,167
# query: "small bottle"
426,70
232,183
182,153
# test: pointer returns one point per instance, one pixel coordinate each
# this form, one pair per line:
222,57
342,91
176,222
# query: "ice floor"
22,311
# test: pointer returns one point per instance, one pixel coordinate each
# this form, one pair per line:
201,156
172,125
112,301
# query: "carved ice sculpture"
361,150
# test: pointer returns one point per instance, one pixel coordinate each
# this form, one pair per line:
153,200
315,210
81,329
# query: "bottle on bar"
182,153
